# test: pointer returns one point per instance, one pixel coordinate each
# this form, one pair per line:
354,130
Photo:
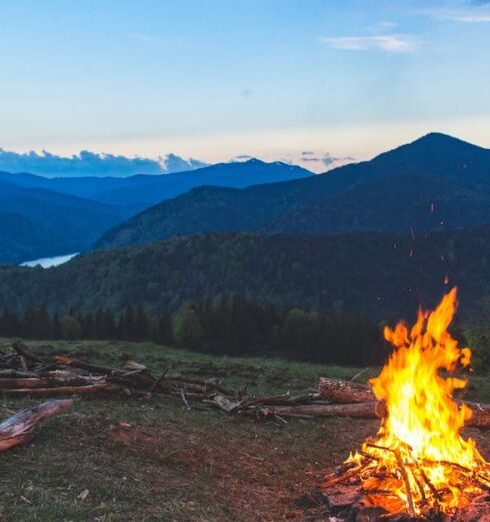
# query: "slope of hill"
20,238
37,222
235,175
375,275
436,182
67,214
144,190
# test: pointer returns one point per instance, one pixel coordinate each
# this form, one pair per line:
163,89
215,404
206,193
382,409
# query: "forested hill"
376,276
435,183
41,217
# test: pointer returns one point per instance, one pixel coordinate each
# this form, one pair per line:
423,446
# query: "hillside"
66,215
134,457
36,222
435,183
373,275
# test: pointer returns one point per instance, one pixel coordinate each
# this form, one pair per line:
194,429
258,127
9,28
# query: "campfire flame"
418,461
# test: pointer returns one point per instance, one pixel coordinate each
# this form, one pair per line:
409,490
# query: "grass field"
111,459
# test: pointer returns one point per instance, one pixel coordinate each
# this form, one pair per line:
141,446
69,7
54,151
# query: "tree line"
229,325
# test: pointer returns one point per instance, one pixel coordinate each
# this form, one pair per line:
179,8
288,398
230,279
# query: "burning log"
18,429
419,464
350,395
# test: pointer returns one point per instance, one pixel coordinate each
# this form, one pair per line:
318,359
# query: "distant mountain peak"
254,161
435,148
440,139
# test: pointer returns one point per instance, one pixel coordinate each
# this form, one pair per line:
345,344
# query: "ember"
418,463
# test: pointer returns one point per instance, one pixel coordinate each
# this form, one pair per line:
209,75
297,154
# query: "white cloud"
466,18
475,14
392,43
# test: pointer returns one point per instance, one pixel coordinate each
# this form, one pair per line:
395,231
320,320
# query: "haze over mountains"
43,217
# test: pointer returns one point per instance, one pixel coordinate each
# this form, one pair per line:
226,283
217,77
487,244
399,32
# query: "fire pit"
418,467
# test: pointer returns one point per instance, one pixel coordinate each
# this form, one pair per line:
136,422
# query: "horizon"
172,164
335,79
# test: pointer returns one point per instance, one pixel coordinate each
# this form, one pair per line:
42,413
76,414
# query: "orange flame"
419,456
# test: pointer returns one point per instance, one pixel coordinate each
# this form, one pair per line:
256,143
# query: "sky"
311,81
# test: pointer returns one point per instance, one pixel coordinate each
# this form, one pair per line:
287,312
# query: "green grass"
154,460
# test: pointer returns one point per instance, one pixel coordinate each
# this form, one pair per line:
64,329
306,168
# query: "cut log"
11,373
55,379
339,391
66,390
344,392
23,383
101,370
363,410
18,429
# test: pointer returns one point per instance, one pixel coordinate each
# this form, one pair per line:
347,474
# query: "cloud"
473,13
329,160
467,17
391,43
88,163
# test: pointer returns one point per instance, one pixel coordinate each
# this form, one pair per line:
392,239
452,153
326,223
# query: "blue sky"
213,79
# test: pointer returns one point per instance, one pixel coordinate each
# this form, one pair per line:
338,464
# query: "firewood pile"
23,373
357,490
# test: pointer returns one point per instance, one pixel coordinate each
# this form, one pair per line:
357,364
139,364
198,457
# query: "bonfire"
419,464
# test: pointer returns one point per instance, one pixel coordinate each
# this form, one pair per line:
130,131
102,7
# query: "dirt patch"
255,477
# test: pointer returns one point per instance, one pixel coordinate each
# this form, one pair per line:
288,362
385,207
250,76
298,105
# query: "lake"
49,262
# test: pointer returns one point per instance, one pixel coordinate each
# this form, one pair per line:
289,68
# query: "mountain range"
375,238
42,217
435,183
